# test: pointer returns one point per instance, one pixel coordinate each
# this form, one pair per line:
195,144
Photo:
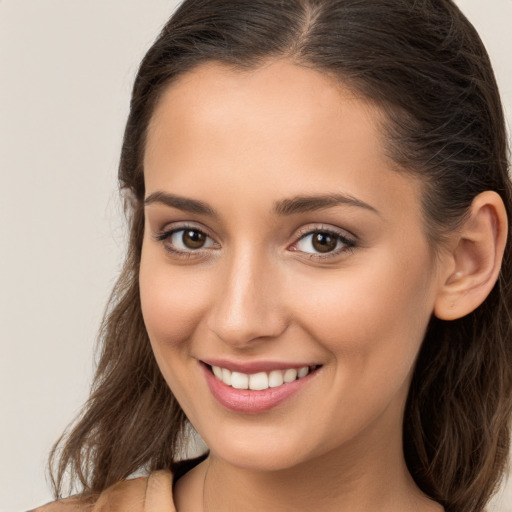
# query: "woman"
317,277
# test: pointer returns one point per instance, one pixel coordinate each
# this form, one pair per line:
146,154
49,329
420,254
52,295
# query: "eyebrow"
181,203
284,207
302,204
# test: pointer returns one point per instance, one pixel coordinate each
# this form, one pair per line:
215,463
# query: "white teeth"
226,376
290,375
239,380
261,380
275,379
258,381
303,372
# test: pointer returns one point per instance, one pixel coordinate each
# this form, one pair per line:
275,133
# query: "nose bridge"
246,305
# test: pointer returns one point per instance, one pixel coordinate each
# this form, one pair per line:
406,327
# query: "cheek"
172,300
370,312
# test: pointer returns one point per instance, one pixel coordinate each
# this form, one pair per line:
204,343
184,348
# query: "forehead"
280,124
275,101
277,86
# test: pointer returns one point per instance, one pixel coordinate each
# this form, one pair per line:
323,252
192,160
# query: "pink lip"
248,400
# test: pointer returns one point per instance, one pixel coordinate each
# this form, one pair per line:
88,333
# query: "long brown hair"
424,64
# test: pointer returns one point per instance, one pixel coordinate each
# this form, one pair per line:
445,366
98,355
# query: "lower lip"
251,401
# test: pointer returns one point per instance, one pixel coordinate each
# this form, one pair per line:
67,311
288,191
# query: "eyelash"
348,243
164,237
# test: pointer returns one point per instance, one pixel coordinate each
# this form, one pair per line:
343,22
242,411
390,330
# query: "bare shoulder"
134,495
72,504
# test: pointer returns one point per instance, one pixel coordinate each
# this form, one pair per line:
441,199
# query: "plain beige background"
66,69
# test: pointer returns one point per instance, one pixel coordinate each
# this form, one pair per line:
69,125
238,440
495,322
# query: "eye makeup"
317,242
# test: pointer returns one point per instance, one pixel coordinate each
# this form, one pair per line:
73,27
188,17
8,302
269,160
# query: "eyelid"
163,236
325,228
170,227
348,239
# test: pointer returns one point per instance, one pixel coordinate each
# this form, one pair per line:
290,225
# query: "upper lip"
250,367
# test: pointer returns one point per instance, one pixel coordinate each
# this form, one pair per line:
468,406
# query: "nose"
247,303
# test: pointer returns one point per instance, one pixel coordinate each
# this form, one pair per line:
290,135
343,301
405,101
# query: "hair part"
423,64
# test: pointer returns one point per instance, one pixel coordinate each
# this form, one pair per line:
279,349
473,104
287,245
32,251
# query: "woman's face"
278,240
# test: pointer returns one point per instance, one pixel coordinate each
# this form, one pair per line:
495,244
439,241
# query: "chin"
258,453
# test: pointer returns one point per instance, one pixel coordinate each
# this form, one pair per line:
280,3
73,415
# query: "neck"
357,478
365,473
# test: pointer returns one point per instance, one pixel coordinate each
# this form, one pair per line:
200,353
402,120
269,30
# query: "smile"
261,380
257,390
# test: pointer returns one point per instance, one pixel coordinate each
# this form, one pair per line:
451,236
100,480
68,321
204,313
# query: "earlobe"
474,262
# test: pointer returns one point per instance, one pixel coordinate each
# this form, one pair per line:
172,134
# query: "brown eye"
318,243
324,242
193,239
186,240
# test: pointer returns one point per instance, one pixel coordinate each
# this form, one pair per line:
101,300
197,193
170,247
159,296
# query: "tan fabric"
153,494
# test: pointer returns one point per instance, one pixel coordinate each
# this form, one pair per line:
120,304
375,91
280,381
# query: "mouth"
258,391
261,380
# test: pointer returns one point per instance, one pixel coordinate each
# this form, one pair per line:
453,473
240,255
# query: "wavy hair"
425,66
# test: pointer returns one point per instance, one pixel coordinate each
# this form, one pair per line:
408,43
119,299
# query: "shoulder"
73,504
149,494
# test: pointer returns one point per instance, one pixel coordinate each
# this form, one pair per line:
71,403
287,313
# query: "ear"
473,262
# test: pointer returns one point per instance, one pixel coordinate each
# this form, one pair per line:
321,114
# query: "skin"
241,142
